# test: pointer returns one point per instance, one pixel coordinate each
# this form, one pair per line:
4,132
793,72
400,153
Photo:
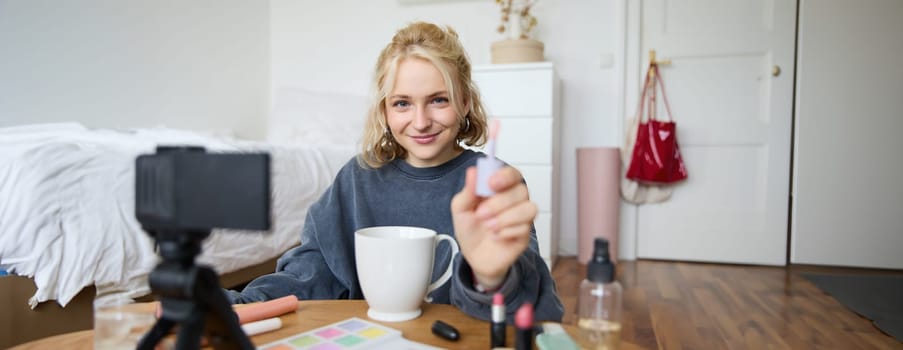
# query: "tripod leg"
190,332
222,329
150,340
192,298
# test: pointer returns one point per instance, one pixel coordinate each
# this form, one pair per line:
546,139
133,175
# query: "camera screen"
187,189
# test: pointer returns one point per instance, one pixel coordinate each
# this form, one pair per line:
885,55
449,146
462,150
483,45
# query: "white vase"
514,27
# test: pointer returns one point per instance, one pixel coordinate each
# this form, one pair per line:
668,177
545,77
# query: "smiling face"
420,114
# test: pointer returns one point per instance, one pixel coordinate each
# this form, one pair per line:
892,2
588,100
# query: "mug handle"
448,272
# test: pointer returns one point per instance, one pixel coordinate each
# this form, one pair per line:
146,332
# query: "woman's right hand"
494,231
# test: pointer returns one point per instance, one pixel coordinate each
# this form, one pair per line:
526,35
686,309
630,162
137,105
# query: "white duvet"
67,206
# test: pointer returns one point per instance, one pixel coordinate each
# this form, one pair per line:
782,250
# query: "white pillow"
316,118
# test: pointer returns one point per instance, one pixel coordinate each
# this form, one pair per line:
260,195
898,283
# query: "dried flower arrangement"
525,22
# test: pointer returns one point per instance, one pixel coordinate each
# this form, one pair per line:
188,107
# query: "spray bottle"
599,303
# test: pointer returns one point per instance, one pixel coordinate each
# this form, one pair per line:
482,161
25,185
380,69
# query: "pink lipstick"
497,329
523,321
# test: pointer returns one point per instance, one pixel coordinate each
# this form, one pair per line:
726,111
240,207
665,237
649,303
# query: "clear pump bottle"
599,303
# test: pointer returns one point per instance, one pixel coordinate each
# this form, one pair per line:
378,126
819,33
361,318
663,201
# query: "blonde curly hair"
441,47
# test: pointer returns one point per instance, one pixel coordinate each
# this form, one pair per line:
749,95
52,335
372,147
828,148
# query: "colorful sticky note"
352,325
352,333
372,333
330,333
326,346
304,340
350,340
280,347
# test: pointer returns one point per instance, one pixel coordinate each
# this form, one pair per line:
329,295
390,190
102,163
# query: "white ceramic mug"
394,267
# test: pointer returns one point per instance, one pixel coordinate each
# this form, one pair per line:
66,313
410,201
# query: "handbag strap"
661,84
652,71
641,102
653,106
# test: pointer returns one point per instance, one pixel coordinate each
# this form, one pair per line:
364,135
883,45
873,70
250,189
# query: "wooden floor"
678,305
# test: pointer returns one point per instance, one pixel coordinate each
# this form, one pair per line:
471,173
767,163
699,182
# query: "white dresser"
524,97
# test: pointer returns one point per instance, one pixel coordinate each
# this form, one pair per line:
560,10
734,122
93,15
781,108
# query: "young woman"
413,171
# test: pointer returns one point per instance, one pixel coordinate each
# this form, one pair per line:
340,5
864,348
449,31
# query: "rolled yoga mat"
598,199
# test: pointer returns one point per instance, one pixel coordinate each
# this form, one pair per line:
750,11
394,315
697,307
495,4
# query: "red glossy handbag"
656,156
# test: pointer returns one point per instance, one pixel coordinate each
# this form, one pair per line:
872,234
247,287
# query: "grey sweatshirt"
396,194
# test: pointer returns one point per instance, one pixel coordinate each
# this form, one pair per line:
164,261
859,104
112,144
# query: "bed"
67,225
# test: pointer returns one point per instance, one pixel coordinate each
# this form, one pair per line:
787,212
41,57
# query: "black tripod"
191,296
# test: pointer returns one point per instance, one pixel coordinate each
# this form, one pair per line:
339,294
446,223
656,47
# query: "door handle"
775,70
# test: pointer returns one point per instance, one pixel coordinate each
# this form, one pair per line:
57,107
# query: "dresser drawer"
525,141
516,93
544,237
539,183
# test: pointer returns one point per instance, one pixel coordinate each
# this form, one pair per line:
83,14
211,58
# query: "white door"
734,120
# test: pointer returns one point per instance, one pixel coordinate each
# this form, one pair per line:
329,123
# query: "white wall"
333,45
210,65
848,199
105,63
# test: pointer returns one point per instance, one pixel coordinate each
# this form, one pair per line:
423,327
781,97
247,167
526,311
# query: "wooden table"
313,314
